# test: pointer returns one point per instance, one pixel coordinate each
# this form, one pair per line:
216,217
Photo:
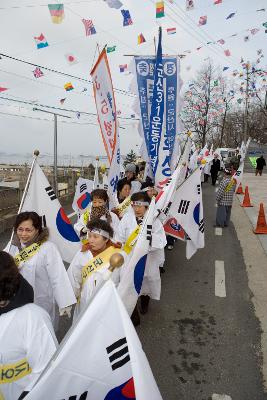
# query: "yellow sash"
86,216
98,262
230,185
27,253
131,241
123,207
12,372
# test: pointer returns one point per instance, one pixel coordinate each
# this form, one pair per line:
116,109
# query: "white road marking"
220,290
71,215
221,397
218,231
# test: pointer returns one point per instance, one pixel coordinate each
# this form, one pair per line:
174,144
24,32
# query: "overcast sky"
21,20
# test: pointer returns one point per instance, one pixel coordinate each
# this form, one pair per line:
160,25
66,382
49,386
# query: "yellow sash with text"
98,262
123,207
13,372
131,241
27,253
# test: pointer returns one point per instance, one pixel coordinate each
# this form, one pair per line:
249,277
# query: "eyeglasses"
27,230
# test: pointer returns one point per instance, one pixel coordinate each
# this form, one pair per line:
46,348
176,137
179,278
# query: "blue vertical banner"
157,110
145,73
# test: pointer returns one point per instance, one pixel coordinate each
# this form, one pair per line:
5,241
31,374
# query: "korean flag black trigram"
198,189
201,226
183,206
83,187
50,193
149,233
118,353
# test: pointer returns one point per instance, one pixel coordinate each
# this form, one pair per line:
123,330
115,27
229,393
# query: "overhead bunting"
71,59
159,9
114,4
231,15
217,2
227,53
127,20
225,68
56,12
111,49
141,39
203,20
189,5
62,101
37,73
40,41
171,31
123,67
221,41
68,86
89,27
3,89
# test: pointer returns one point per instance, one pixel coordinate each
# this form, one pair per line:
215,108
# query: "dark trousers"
223,216
214,176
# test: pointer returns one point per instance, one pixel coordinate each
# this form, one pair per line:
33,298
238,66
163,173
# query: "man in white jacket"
27,339
151,286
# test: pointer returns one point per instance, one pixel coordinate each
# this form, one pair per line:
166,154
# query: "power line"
124,92
61,109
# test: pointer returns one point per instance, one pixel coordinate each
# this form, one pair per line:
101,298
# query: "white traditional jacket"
46,273
27,342
85,291
151,283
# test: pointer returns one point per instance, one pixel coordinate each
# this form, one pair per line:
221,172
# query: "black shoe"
161,270
135,317
144,302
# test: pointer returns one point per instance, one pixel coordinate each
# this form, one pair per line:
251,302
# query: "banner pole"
35,155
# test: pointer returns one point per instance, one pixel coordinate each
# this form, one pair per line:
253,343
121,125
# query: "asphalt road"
200,345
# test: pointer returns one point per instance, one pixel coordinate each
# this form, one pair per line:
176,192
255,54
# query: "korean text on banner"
105,103
145,67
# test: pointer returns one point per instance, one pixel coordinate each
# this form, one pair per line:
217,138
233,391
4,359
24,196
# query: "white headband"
105,234
140,203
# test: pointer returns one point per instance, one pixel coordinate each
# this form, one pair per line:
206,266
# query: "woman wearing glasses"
40,263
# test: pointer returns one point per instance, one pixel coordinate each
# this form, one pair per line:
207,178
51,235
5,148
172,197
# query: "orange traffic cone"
261,223
240,189
246,200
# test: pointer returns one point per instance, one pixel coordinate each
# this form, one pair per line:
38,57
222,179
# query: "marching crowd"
36,288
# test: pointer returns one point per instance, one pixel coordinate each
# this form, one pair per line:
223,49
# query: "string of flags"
56,12
111,49
114,4
71,59
40,41
38,73
160,9
68,86
89,27
127,20
141,39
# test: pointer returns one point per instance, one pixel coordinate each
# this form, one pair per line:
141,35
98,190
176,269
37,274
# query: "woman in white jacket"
151,286
85,280
41,265
27,339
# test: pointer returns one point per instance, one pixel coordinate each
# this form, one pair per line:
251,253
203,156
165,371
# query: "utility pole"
246,104
55,182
